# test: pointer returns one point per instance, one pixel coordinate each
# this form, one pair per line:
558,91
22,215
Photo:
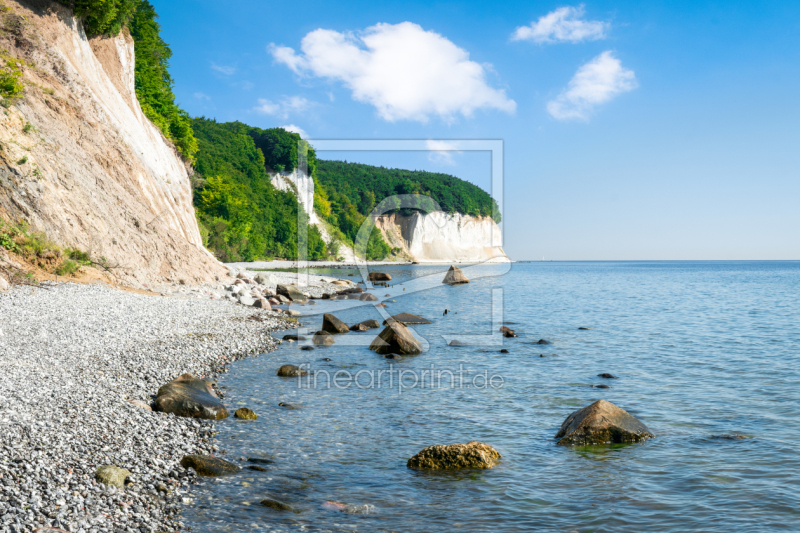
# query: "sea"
705,354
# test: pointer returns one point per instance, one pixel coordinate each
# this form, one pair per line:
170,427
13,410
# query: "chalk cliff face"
439,237
82,163
302,186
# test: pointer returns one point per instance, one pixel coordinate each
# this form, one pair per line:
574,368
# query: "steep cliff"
444,238
81,162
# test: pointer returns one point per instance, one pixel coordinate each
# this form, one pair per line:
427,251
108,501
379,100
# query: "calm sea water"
701,349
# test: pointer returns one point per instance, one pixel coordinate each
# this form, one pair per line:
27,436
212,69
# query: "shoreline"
74,357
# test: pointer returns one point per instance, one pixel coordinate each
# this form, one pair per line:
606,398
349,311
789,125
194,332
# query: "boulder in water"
600,423
396,338
291,371
190,397
473,454
323,338
543,341
245,414
379,276
507,332
407,318
275,504
606,375
208,466
331,324
367,297
293,338
455,276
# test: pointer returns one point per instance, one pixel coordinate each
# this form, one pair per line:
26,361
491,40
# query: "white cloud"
563,24
282,109
442,151
201,96
223,69
595,83
407,73
296,129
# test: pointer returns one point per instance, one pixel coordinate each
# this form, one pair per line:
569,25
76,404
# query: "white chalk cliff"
440,237
82,163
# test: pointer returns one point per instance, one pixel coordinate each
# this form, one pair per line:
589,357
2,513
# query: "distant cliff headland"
96,155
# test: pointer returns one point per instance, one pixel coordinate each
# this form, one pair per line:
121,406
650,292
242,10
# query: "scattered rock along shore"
80,365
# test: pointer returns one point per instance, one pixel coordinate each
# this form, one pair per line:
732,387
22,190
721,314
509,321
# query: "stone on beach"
112,475
262,303
600,423
208,466
367,297
407,318
191,397
473,454
379,276
455,276
291,292
264,279
396,338
291,371
140,404
331,324
245,414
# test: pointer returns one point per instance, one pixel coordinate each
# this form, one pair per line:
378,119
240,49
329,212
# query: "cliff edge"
80,161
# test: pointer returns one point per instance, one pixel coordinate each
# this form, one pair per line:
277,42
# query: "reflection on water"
701,350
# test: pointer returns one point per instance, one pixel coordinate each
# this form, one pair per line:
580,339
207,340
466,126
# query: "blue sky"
632,130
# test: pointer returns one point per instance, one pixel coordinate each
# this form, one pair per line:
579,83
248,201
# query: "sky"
631,130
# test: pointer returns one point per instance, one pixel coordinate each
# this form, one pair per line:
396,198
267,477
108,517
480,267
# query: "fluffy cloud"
282,109
442,151
563,24
407,73
296,129
595,83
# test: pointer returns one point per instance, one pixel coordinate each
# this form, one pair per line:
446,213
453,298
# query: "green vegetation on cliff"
102,17
242,216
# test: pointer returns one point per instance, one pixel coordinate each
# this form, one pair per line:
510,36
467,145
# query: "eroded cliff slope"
80,161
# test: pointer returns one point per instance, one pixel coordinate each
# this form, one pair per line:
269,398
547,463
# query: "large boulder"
507,332
262,303
263,278
600,423
455,456
407,318
208,466
291,292
367,297
112,475
396,338
365,325
331,324
245,413
291,371
455,276
190,397
379,276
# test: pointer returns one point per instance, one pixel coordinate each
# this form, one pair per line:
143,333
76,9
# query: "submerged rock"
307,348
407,318
600,423
606,376
291,292
190,397
288,406
379,276
474,454
245,414
396,338
112,475
455,276
367,297
456,343
331,324
369,324
323,338
275,504
293,338
208,466
503,351
507,332
359,327
543,341
291,371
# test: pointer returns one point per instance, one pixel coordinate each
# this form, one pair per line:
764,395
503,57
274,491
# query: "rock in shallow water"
291,371
407,318
323,338
275,504
331,324
600,423
190,397
473,454
112,475
245,414
396,338
208,466
455,276
291,292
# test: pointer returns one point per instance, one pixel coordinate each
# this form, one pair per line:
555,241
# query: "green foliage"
28,127
11,85
102,17
67,267
23,160
154,84
242,216
280,149
355,189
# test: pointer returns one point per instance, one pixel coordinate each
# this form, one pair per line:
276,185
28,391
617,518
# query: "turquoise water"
701,349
